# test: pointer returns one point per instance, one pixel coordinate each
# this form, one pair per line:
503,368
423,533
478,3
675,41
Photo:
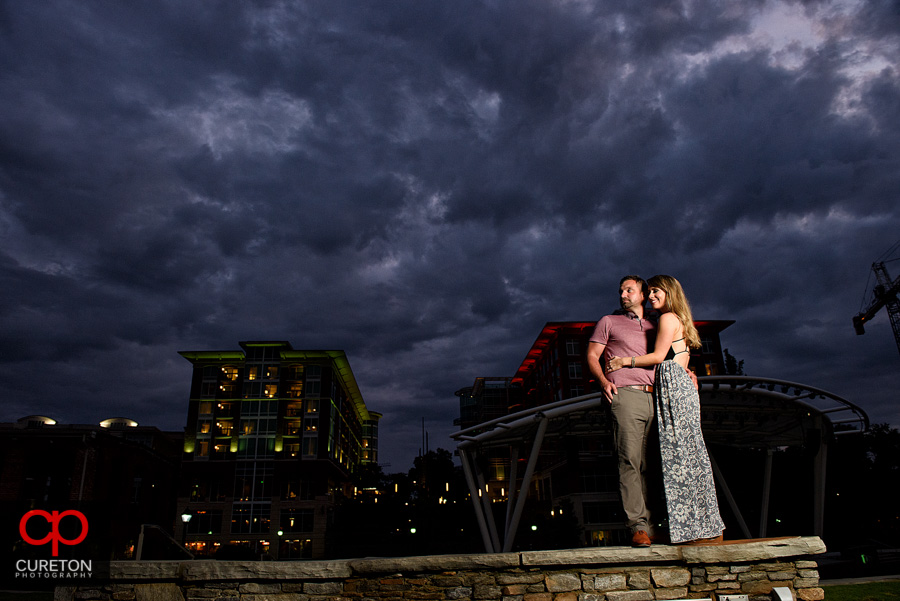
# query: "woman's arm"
665,336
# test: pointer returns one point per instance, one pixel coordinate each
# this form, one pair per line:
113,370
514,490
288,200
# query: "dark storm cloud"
425,184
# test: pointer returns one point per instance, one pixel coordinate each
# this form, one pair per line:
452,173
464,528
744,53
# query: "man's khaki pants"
632,421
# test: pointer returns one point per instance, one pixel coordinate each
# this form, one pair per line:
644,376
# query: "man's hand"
609,389
594,355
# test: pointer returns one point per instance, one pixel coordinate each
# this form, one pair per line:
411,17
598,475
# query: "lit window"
297,489
198,493
249,448
251,518
205,522
297,520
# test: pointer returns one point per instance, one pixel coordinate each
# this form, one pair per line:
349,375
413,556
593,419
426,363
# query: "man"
628,333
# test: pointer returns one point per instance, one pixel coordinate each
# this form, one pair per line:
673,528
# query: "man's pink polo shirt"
626,336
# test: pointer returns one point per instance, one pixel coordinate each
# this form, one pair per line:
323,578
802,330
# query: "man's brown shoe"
640,539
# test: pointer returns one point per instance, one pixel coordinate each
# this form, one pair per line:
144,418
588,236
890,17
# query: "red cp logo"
53,519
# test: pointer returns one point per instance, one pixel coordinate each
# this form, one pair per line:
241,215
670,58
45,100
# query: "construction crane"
885,295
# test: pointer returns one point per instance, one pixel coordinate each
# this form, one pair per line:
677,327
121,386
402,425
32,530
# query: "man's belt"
641,387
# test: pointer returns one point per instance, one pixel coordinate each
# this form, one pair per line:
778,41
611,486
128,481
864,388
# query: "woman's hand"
615,363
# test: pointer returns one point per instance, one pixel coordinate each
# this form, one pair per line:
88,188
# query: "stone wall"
751,568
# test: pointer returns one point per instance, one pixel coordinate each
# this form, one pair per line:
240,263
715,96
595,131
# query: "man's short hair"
639,280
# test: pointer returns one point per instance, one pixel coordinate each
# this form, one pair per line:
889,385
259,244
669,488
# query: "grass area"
868,591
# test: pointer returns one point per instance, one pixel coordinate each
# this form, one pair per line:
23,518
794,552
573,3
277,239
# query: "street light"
186,516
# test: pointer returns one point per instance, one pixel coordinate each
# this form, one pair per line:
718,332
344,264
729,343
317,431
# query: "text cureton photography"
53,568
43,535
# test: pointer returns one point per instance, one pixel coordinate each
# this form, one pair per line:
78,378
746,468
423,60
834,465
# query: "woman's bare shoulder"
669,318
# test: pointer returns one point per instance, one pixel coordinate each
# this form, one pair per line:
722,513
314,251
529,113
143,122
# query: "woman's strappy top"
673,353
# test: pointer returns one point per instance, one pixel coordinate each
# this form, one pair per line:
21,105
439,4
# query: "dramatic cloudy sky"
424,184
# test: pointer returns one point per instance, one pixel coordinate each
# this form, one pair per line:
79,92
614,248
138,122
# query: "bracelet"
632,362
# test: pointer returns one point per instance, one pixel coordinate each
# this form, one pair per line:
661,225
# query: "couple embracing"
641,362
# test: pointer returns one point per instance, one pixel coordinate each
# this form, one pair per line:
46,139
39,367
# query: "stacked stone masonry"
751,568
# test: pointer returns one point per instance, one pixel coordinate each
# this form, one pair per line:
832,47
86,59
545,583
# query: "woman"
687,473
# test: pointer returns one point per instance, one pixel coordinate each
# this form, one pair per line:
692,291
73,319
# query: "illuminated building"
273,437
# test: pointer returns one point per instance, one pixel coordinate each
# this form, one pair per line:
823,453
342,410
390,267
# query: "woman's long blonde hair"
677,303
